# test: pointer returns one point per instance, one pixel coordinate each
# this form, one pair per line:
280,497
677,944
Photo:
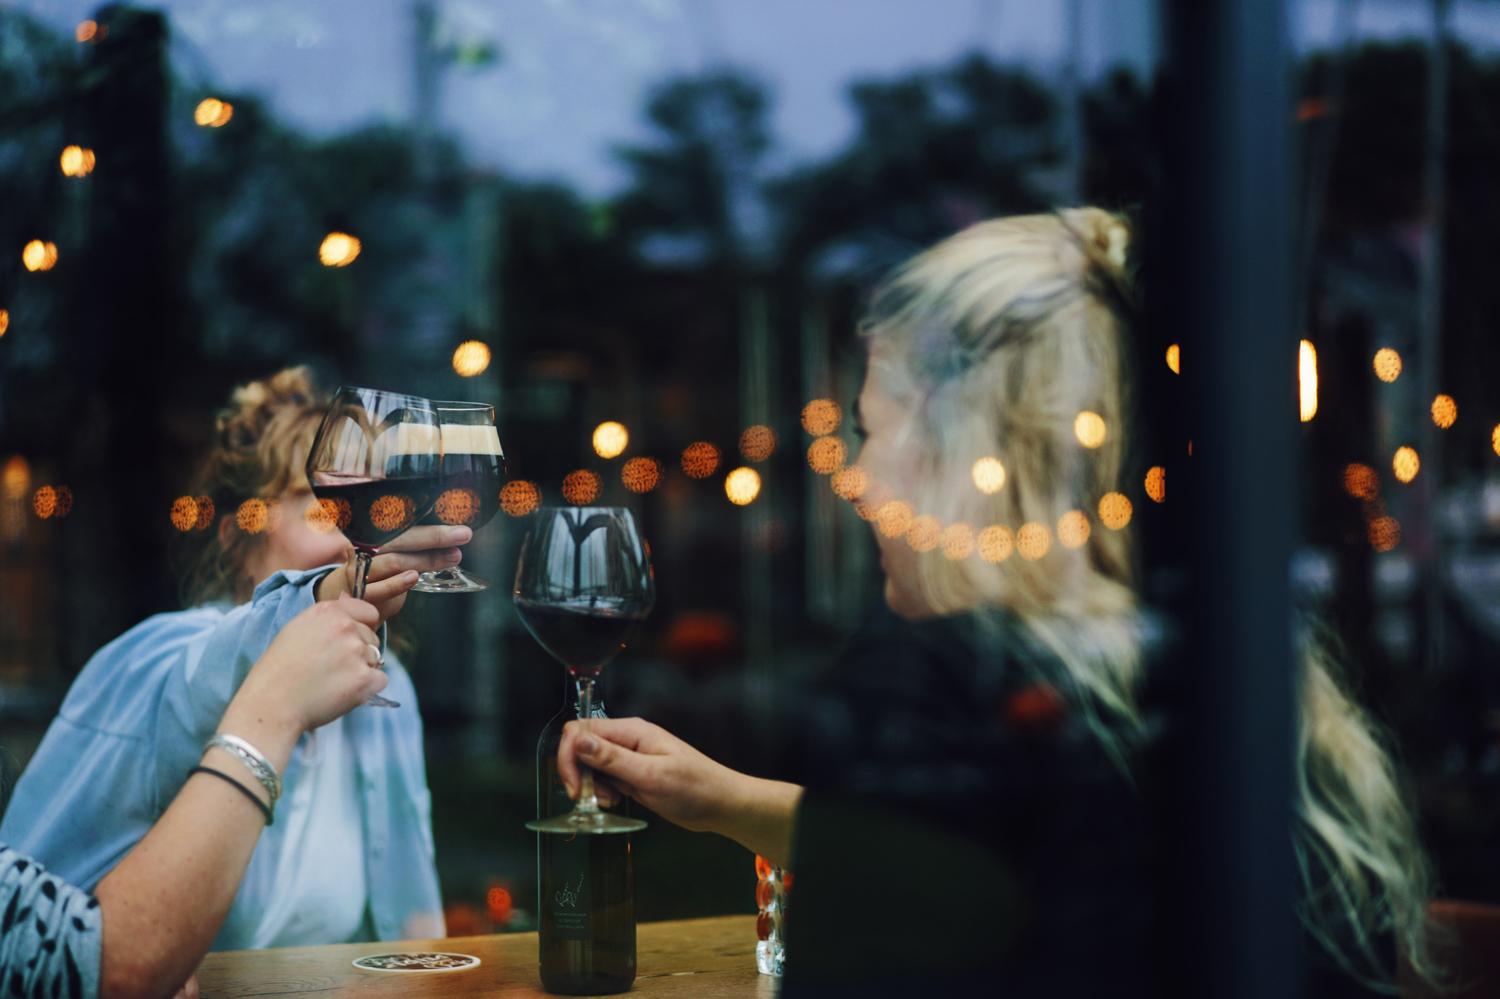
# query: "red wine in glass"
469,495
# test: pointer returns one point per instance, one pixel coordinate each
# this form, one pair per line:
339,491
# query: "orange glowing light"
1115,510
470,358
86,31
763,868
1406,464
610,439
1307,380
1387,364
1444,411
850,482
39,255
1174,358
325,516
893,518
519,497
700,460
338,249
1089,428
206,511
457,506
499,905
580,487
989,475
213,113
76,161
640,475
64,498
821,417
4,321
44,502
392,512
1385,533
958,541
15,477
1073,529
1033,541
1156,484
1495,439
757,442
924,533
865,511
742,485
1360,481
184,513
826,455
996,543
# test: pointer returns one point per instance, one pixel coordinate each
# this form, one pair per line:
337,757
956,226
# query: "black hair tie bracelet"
242,789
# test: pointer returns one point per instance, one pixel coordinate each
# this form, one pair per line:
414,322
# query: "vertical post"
756,366
1222,282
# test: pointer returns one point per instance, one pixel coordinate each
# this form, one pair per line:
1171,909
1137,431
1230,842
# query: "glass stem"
588,801
362,559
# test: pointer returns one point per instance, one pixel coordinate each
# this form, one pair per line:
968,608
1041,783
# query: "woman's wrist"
267,723
761,816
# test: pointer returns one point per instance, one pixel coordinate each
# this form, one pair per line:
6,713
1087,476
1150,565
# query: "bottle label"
570,915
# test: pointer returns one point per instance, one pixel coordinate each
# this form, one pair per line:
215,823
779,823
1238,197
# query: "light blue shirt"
134,724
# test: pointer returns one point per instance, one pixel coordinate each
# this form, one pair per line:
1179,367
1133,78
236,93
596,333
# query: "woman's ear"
226,531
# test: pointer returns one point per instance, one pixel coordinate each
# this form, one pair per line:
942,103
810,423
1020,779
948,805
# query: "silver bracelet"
253,759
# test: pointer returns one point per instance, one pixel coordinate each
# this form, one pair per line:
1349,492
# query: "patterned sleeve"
50,934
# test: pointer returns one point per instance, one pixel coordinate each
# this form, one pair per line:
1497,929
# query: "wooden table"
710,958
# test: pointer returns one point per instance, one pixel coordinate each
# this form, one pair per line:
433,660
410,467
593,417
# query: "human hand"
395,570
320,666
189,989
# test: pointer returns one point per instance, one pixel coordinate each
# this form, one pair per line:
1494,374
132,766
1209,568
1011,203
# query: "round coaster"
417,961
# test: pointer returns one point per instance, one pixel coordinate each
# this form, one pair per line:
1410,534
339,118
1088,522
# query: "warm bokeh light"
252,515
893,518
1406,464
325,516
826,455
958,541
989,475
850,482
76,161
1073,529
1495,439
44,502
1385,533
1174,358
457,506
1444,411
498,905
519,497
758,442
338,249
471,358
1156,484
63,502
1089,428
821,417
924,533
996,543
213,113
86,31
580,487
1033,541
392,512
39,255
1307,380
742,485
640,475
4,321
700,459
15,477
610,439
1115,510
184,513
1360,481
1387,364
206,513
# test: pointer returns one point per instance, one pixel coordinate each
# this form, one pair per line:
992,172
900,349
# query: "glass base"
588,823
453,580
376,701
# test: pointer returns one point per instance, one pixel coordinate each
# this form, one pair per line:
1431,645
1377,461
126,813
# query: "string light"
392,512
1360,481
338,249
4,321
821,417
519,497
86,31
213,113
958,542
1406,464
742,485
1089,428
893,518
456,506
757,442
1115,510
184,513
76,161
826,455
924,533
206,513
989,475
580,487
700,459
471,358
1385,533
996,543
1073,529
1387,364
1174,359
1033,541
252,516
15,477
640,475
850,482
1495,438
39,255
1156,484
1444,411
1307,380
610,439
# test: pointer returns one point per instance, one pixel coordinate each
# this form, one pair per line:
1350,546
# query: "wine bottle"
585,885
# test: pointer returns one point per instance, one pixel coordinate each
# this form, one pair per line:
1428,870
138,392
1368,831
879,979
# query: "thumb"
362,611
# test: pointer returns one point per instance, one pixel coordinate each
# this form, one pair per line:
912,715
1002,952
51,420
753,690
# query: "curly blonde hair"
261,440
997,338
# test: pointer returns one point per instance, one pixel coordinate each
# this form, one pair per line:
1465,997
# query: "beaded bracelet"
264,808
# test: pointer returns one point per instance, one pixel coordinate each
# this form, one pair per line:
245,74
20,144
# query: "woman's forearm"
761,816
163,904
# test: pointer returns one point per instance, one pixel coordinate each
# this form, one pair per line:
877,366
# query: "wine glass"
375,468
583,584
473,464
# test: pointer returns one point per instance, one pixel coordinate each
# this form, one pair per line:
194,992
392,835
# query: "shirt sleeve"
50,933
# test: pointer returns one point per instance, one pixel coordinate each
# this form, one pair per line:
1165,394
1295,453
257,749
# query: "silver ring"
379,656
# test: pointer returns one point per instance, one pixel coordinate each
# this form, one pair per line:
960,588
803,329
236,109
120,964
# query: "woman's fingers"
390,563
419,539
383,590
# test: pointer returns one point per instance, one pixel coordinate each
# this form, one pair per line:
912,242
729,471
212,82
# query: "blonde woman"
350,856
974,814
